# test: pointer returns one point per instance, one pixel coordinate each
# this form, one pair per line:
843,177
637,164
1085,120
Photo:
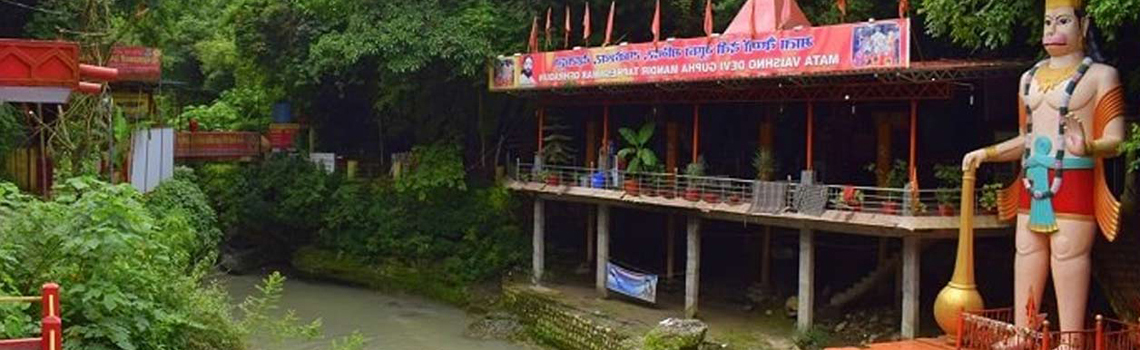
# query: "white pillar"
591,229
537,260
693,267
670,247
603,253
911,268
807,278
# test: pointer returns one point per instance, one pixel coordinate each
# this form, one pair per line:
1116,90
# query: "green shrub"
129,277
11,131
181,195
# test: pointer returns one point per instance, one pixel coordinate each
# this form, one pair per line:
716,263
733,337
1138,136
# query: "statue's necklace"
1045,84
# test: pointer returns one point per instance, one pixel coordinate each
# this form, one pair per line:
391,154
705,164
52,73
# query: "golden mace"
961,294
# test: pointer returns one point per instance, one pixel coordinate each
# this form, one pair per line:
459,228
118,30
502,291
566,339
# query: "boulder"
676,334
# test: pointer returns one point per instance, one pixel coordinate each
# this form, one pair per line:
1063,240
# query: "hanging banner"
632,284
137,63
133,104
837,48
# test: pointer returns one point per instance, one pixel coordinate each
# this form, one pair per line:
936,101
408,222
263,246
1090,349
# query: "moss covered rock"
676,334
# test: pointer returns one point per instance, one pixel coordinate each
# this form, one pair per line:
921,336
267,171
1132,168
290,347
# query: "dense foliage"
428,216
11,131
131,279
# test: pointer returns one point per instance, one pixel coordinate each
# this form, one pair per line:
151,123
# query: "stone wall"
563,326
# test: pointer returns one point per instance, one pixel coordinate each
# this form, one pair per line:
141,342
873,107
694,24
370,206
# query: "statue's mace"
961,294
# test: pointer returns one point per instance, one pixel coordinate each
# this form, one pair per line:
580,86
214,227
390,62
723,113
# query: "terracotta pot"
692,195
553,180
650,191
891,208
668,194
945,210
712,198
734,200
632,188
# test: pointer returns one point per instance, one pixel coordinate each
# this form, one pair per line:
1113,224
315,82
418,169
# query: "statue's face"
1063,34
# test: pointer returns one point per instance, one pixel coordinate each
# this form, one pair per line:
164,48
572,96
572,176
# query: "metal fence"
994,329
761,196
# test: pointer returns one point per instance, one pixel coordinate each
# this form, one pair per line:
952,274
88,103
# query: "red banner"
281,136
837,48
136,63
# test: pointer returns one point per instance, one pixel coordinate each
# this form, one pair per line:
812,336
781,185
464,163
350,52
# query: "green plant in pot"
896,178
556,148
694,171
949,180
849,199
764,161
988,200
637,155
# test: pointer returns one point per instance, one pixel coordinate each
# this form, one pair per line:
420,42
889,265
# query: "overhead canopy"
763,16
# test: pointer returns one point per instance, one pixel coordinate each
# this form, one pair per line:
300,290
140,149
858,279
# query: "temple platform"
917,344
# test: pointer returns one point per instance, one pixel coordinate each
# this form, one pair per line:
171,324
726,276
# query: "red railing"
994,330
217,145
51,328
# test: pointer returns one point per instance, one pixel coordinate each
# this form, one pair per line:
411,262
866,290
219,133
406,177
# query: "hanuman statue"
1071,109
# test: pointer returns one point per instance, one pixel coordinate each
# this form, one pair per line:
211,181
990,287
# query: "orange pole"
913,139
810,126
696,131
1099,332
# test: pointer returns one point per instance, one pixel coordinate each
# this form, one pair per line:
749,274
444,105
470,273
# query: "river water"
387,321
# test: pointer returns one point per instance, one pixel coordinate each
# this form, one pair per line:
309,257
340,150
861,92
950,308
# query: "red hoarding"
136,63
837,48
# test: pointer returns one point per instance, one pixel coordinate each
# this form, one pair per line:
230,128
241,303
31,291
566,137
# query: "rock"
768,312
499,326
840,326
791,306
676,334
240,262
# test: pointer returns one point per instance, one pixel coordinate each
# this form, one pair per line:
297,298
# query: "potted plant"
896,178
637,155
765,164
556,149
850,199
950,179
694,171
734,197
988,200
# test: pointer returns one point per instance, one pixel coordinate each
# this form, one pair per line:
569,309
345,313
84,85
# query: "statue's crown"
1052,4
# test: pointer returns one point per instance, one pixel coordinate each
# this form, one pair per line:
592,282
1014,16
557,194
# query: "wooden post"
911,271
696,132
670,247
51,333
810,132
591,143
49,300
693,267
541,124
603,249
539,240
672,135
883,143
605,124
911,172
806,295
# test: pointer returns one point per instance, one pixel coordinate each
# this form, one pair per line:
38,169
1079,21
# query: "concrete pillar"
693,267
537,260
670,247
766,258
911,268
806,295
603,249
591,232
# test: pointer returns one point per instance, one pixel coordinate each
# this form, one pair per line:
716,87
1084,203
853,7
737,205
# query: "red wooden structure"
218,145
46,71
51,328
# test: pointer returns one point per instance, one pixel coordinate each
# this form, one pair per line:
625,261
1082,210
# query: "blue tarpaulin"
633,284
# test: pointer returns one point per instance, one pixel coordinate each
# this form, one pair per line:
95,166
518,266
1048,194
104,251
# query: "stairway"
869,282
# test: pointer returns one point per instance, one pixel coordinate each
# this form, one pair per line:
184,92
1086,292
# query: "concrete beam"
539,241
591,232
806,296
693,267
603,249
910,286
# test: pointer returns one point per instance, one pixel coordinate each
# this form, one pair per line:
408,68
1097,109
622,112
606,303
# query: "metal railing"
994,329
733,191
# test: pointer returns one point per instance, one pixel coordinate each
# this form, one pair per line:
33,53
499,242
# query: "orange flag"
842,4
656,26
586,25
548,27
566,28
904,7
708,19
609,25
532,44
